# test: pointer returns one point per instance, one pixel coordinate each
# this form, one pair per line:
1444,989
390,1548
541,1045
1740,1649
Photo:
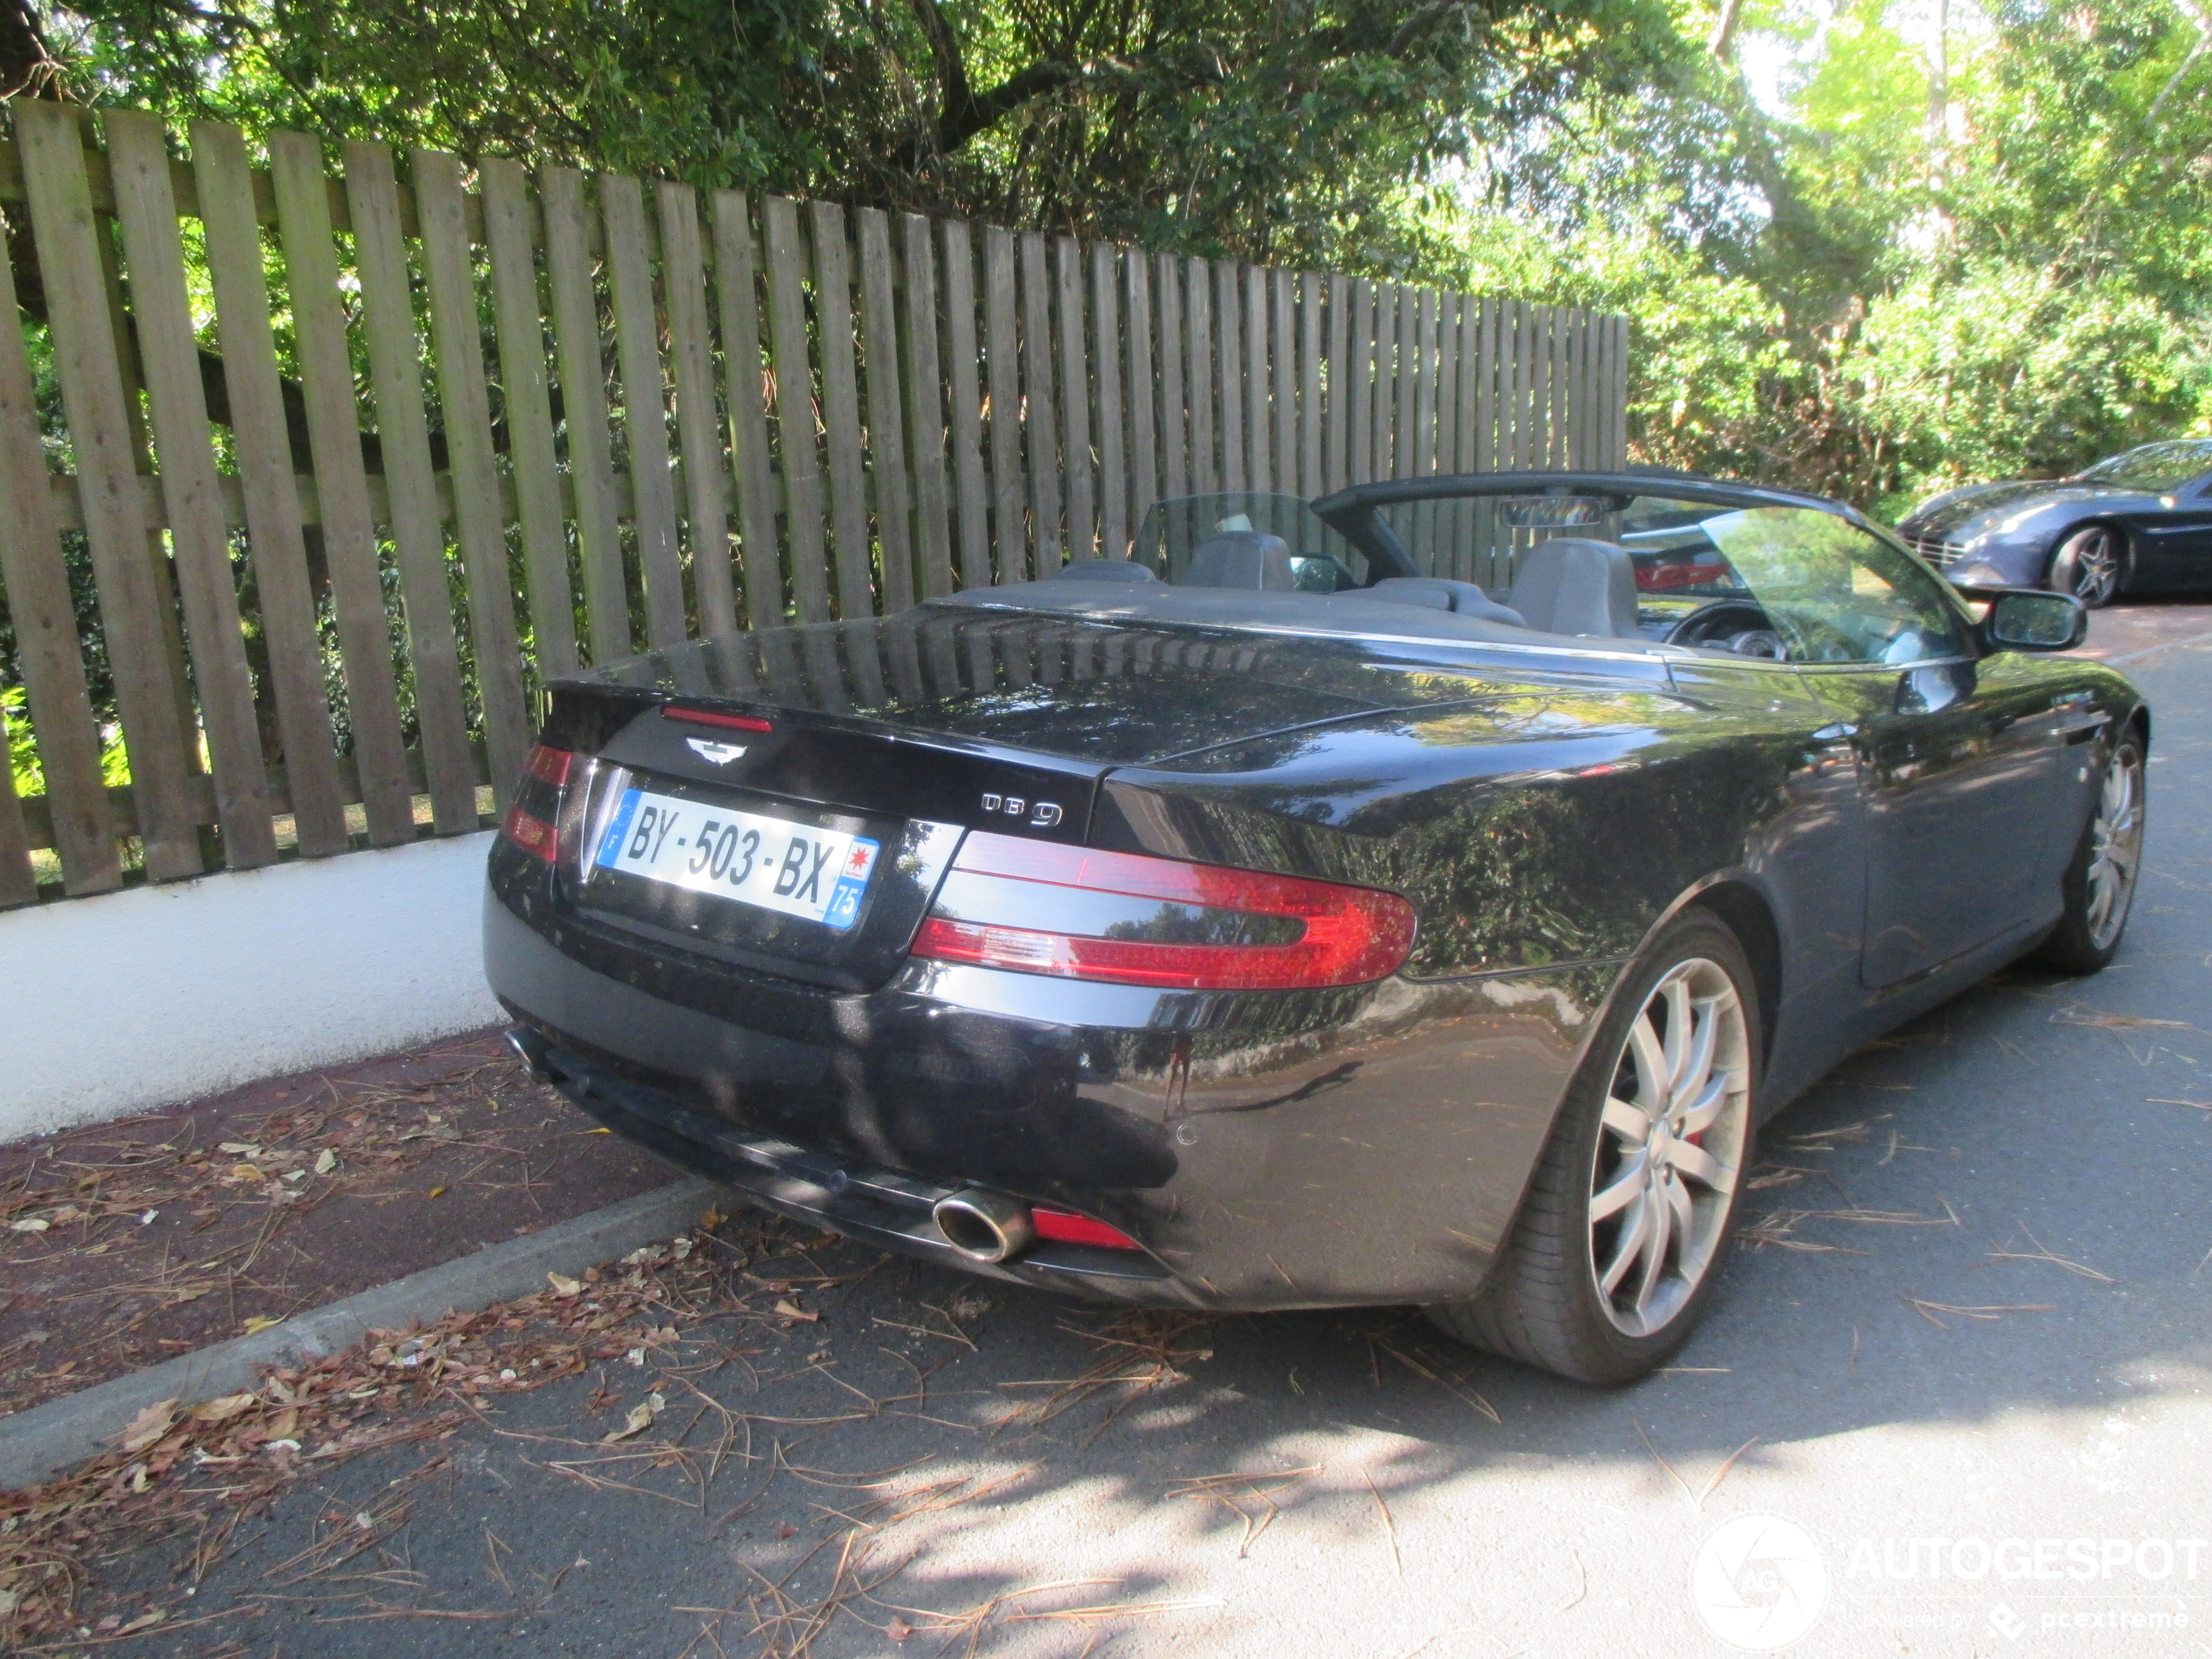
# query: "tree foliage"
1226,126
1897,270
1860,256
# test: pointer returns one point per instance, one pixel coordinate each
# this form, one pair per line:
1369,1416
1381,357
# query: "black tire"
2091,564
1543,1304
2088,934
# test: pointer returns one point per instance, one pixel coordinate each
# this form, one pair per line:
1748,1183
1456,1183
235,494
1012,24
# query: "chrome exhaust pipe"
985,1225
530,1048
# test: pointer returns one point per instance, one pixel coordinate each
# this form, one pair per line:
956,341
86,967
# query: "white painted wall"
163,994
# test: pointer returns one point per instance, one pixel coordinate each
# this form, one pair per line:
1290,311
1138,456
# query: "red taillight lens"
532,833
545,774
711,717
1071,1228
549,765
1327,934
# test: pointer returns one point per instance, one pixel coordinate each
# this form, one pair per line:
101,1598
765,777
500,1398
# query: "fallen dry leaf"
640,1419
326,1161
33,1225
258,1324
791,1309
217,1410
149,1425
563,1286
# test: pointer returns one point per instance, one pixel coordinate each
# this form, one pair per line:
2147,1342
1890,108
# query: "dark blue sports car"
2139,522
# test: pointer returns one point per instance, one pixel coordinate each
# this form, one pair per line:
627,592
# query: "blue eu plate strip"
618,831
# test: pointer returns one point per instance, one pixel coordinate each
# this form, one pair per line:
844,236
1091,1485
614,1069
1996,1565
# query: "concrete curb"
63,1433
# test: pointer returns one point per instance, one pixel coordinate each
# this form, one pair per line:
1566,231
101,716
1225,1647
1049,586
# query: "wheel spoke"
1699,1165
2100,903
1609,1200
1655,1250
1685,1208
1681,1019
1651,1064
1705,1034
1634,1231
1632,1123
1700,1116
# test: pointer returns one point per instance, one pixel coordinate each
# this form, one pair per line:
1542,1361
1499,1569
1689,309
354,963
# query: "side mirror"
2030,619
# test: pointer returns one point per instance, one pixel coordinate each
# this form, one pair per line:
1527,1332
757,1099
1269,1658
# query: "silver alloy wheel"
1670,1148
2087,566
2116,846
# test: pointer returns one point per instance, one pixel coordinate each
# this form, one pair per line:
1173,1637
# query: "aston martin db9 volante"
1261,922
2138,522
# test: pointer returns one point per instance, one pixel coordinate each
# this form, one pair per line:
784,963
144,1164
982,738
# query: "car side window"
1836,593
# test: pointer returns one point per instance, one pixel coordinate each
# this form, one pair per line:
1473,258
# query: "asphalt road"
1965,1359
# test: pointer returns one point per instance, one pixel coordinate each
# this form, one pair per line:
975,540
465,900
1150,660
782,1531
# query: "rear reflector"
711,717
1349,935
532,834
1072,1229
549,765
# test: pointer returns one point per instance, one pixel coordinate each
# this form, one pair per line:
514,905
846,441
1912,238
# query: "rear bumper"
883,1207
1268,1149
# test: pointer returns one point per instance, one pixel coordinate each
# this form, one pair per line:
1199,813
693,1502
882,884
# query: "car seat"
1571,586
1102,570
1244,559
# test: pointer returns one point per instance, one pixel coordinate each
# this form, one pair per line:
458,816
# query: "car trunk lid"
811,755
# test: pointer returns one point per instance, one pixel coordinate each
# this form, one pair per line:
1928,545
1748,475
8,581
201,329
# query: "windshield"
2156,466
1792,583
1321,559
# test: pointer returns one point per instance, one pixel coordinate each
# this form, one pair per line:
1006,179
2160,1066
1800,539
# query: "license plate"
820,874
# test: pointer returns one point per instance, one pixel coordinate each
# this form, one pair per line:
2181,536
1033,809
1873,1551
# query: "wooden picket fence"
355,460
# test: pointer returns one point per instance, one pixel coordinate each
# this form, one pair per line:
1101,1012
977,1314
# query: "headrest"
1102,570
1250,559
1568,585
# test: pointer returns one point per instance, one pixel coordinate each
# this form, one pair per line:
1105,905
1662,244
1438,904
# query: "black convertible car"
2138,522
1266,923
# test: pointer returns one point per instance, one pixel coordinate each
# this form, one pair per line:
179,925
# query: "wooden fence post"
146,211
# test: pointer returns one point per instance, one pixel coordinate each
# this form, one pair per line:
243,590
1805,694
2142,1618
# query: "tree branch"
26,65
944,55
2150,116
958,126
1724,36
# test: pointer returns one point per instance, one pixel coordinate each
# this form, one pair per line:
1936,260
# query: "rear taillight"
533,835
1078,913
549,765
530,823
